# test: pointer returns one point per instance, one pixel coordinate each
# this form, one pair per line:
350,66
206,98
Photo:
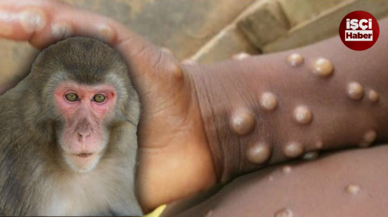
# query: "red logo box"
359,30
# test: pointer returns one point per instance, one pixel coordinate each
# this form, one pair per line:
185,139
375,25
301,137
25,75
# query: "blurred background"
208,31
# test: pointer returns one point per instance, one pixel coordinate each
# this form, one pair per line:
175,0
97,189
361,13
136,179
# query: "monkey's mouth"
84,155
83,162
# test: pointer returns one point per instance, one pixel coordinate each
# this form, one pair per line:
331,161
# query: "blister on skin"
353,189
323,67
286,169
368,139
32,20
105,33
373,96
242,122
293,149
61,31
268,101
295,59
355,91
284,213
241,56
303,115
259,153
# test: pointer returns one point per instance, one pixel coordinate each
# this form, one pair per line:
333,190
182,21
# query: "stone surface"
223,46
264,22
299,11
182,26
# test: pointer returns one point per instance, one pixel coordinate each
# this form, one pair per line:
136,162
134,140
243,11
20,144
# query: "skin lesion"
282,127
294,107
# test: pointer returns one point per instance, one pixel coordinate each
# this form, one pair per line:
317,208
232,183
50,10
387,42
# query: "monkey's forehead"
82,60
72,85
85,55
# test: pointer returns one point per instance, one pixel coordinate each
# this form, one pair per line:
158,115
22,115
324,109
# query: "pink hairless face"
84,109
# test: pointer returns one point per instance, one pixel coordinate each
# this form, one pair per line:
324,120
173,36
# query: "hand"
174,157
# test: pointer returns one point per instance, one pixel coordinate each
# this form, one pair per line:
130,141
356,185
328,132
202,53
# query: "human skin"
170,111
339,117
350,183
187,144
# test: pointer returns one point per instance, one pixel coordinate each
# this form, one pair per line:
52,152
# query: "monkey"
68,142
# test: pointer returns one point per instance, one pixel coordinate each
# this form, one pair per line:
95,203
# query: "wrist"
212,84
264,109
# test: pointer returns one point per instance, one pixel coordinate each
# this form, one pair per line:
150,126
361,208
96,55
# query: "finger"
43,22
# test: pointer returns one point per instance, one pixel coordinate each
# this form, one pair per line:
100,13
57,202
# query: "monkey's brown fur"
34,180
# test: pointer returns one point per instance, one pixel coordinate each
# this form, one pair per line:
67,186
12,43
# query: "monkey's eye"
99,98
72,97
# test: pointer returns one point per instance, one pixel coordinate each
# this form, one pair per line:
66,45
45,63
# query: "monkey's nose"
83,135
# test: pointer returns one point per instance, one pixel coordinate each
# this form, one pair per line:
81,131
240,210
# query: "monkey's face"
86,111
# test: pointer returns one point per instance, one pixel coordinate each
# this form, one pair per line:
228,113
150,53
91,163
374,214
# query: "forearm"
248,128
347,183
